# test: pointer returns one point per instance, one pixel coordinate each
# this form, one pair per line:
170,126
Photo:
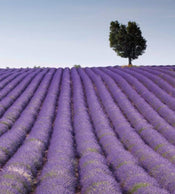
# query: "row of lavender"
116,124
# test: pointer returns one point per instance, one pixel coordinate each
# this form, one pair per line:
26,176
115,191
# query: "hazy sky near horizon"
61,33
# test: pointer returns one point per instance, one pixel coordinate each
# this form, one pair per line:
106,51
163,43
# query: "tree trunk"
130,63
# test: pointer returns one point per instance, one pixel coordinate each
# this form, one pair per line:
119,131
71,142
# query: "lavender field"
105,130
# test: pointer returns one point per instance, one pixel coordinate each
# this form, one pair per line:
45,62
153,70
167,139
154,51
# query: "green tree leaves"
127,41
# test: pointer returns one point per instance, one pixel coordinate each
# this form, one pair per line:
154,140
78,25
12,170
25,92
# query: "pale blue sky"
61,33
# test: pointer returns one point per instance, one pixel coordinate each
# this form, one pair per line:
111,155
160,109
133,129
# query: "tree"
127,41
77,66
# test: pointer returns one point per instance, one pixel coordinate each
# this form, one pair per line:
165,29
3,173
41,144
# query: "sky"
62,33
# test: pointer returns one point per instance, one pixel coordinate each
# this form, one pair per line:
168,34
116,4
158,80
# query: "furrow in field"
151,137
149,76
14,95
165,69
167,76
156,166
131,176
160,93
58,173
12,139
9,79
18,173
5,75
13,83
162,109
142,106
95,175
159,72
77,156
15,110
56,91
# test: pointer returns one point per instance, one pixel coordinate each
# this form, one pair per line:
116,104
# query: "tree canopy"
127,41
